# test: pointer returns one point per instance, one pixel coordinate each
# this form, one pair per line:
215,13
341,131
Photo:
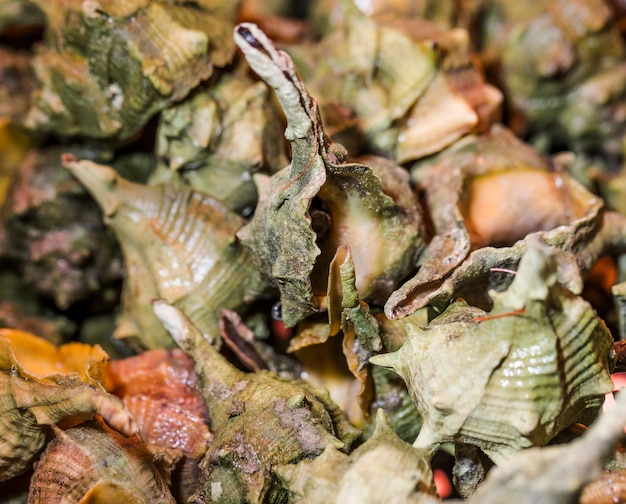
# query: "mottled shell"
41,385
513,377
92,463
370,202
178,245
159,388
610,488
382,470
130,58
259,420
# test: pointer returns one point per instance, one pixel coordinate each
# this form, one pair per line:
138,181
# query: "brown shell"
92,463
159,388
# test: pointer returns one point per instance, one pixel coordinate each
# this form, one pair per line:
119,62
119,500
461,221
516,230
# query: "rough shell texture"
258,420
538,362
366,475
159,388
92,463
31,396
178,245
358,202
131,58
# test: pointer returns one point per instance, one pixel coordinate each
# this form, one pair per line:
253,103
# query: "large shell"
258,420
159,388
214,140
488,196
407,111
320,203
130,58
511,378
178,245
92,463
41,385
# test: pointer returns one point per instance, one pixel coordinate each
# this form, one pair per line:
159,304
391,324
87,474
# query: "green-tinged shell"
306,211
214,140
488,196
259,420
513,377
107,67
92,463
51,231
178,245
564,72
29,401
384,469
556,474
407,111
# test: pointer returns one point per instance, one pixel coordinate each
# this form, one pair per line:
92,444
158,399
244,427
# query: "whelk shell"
41,385
159,388
535,364
178,245
93,463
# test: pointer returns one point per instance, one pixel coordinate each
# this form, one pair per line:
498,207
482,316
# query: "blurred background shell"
93,463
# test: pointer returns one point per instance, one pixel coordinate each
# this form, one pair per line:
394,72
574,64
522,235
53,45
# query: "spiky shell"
512,378
92,463
178,245
41,385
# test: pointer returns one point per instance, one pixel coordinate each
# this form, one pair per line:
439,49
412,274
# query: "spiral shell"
41,385
178,245
513,377
92,463
159,388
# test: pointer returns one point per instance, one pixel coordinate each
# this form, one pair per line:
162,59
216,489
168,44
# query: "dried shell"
92,463
36,393
258,420
159,388
367,475
555,474
373,203
178,245
131,59
486,190
538,362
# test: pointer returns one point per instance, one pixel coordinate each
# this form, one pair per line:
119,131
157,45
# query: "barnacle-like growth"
93,463
306,211
259,420
42,385
178,245
513,377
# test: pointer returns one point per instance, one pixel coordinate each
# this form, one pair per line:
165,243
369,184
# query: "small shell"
609,489
511,378
159,388
178,245
47,386
92,463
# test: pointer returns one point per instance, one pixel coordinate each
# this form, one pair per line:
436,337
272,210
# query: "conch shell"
320,202
159,388
511,378
365,476
178,245
258,420
93,463
42,385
